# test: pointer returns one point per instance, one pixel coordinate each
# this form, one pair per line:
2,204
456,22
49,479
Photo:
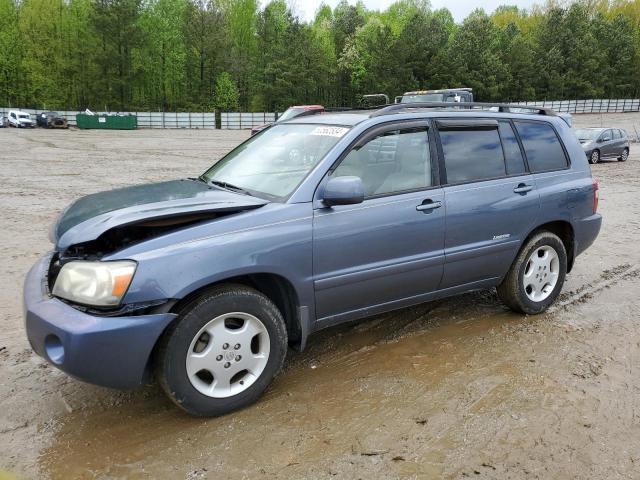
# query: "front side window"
606,136
472,154
542,146
274,163
395,161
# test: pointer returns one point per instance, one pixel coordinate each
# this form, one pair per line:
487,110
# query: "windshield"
290,113
23,115
587,134
427,97
273,163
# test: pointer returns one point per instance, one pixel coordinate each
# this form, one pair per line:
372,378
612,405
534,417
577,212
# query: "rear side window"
542,146
616,134
472,154
512,153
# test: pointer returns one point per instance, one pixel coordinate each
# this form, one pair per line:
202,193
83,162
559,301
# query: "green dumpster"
107,122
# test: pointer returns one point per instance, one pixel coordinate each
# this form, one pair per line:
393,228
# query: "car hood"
89,217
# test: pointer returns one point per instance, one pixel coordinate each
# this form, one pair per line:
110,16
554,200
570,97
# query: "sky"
460,9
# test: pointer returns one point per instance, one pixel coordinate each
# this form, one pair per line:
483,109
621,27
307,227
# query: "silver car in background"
604,143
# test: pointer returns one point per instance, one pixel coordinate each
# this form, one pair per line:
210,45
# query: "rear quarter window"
542,146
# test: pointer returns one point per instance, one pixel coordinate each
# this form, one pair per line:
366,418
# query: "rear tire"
624,156
536,276
222,352
594,157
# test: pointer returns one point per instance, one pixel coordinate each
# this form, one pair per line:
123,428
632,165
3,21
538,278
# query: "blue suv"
320,220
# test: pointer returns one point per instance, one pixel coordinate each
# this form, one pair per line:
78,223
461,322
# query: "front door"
386,252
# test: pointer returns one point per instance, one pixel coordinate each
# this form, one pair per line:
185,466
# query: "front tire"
222,352
594,157
536,276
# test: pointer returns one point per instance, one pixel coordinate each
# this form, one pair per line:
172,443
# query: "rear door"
491,200
387,251
619,142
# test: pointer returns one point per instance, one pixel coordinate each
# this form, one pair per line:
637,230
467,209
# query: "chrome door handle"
428,205
523,188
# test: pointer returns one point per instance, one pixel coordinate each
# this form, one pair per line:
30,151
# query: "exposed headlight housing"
100,284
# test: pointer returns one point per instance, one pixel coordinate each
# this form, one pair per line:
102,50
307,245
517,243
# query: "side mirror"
606,139
343,191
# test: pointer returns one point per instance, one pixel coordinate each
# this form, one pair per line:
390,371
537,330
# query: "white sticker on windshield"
330,131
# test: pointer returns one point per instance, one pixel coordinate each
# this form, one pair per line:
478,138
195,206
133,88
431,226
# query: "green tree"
226,96
240,27
474,57
161,59
205,43
10,54
118,33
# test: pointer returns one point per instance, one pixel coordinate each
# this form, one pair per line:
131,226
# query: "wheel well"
275,287
564,230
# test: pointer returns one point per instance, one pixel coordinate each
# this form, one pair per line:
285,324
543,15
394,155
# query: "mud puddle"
365,396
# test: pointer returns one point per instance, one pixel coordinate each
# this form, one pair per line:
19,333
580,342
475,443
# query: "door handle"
523,188
428,205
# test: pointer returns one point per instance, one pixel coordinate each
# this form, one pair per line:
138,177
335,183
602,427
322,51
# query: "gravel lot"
456,388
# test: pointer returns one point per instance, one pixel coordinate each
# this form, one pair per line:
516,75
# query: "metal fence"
589,105
246,120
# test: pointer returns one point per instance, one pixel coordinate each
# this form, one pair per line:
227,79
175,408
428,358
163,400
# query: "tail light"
596,188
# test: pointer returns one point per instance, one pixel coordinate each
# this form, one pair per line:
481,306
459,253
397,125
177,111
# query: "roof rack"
502,107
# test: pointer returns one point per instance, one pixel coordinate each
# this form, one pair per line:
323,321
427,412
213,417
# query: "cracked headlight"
101,284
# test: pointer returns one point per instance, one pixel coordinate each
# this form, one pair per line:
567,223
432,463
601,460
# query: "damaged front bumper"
108,351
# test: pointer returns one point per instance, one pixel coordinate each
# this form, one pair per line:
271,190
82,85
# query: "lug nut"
225,346
238,358
227,365
219,357
236,346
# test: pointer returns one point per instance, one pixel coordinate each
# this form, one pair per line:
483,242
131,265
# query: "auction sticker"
330,131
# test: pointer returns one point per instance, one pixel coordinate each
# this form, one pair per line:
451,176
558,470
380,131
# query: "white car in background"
20,119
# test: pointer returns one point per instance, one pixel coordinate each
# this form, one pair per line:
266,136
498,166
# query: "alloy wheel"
228,355
541,273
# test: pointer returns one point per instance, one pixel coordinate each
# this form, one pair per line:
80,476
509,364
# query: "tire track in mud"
607,279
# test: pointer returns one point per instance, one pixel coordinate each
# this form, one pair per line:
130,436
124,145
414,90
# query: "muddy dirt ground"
460,388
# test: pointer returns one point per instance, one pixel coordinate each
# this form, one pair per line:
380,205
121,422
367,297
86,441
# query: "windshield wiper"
229,186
